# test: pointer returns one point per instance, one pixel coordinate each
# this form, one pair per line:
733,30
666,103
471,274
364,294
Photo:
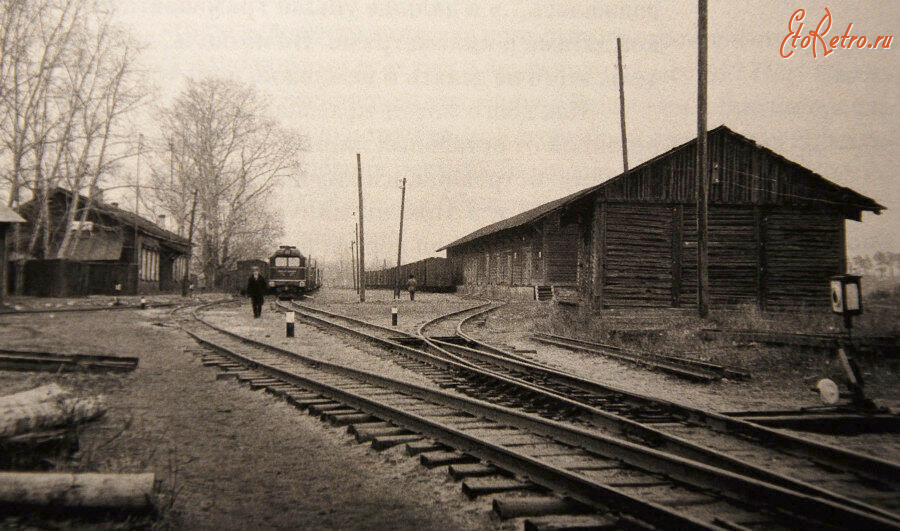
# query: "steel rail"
672,443
679,469
619,424
677,366
870,466
572,342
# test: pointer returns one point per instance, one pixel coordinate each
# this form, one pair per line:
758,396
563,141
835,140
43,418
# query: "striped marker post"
289,322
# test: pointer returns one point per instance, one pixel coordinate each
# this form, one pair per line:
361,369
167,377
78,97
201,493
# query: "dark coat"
411,284
256,287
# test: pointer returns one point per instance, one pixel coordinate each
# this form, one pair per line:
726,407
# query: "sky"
489,108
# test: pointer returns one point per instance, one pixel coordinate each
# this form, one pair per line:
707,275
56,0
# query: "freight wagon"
432,274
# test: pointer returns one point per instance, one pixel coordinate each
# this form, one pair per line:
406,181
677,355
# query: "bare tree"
863,264
104,90
218,140
66,81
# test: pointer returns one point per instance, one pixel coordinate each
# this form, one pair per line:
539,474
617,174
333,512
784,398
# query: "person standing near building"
256,290
411,287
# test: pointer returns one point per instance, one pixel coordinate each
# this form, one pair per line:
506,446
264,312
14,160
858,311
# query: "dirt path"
235,458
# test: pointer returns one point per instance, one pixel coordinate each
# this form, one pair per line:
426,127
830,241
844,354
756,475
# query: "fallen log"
49,413
76,492
43,393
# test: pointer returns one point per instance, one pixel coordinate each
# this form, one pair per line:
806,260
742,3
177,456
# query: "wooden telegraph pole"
397,278
353,264
362,235
702,176
622,105
137,214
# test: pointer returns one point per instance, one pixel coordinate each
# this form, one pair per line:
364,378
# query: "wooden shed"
776,233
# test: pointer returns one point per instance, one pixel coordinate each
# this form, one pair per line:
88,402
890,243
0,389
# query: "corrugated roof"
538,212
8,215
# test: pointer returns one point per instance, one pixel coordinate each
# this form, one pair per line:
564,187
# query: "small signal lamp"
846,296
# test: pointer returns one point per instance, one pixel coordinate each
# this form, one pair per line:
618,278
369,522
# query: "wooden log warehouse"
776,234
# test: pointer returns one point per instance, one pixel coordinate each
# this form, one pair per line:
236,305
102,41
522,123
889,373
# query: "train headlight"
271,284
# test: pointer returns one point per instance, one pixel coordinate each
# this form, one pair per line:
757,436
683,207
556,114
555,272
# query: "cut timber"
47,414
90,492
474,487
507,508
435,459
388,441
472,470
416,448
581,523
43,393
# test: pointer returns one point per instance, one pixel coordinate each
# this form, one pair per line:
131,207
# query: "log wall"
638,255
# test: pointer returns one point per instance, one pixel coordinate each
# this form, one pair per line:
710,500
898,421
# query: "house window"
178,268
149,264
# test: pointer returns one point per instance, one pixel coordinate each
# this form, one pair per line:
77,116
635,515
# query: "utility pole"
400,241
362,236
353,264
702,176
622,105
137,214
356,259
187,265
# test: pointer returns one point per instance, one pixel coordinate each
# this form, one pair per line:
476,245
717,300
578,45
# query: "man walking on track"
256,290
411,287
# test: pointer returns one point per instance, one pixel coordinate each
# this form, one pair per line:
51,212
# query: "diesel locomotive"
291,274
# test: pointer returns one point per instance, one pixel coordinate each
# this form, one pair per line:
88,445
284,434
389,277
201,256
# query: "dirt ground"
232,458
228,457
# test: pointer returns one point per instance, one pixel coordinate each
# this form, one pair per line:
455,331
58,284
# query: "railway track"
608,474
498,376
682,367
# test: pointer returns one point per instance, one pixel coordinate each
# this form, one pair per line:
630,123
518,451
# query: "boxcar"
432,274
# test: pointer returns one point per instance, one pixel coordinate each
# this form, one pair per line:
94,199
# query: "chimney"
96,193
161,220
115,204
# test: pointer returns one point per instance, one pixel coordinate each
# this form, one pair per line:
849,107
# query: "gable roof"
124,217
846,195
524,218
8,215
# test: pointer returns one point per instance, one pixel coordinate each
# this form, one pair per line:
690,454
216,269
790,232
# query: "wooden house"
111,248
776,234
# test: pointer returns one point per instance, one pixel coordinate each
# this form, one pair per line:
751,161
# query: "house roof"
522,219
8,215
529,216
126,218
